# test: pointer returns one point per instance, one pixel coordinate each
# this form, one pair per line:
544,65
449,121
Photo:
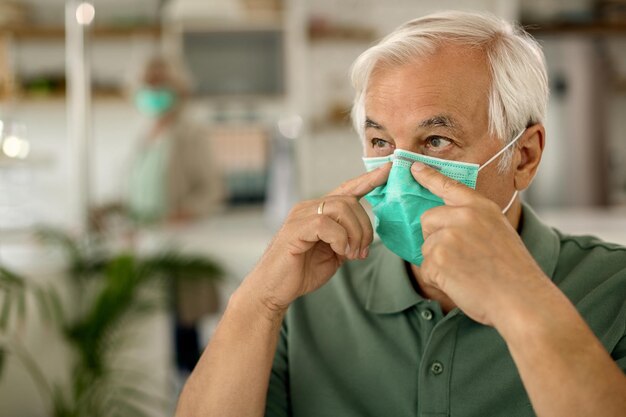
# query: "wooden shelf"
54,32
96,95
341,36
587,29
210,26
322,30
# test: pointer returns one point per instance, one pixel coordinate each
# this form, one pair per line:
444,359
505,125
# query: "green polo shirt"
367,344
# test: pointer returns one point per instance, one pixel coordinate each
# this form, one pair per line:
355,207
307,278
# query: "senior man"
470,306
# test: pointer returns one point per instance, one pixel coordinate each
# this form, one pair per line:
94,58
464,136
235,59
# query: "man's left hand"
473,254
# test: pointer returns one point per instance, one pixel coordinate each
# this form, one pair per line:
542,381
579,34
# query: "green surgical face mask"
154,101
399,204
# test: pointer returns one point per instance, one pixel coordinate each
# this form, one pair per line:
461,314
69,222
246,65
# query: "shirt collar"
390,289
541,240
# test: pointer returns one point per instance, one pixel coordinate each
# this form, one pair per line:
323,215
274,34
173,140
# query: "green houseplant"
102,293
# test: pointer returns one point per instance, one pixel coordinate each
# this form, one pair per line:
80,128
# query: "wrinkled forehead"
454,80
445,62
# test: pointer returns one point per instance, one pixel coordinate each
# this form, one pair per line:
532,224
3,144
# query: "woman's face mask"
154,101
399,204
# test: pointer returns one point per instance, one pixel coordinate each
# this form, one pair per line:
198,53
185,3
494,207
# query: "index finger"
452,192
363,184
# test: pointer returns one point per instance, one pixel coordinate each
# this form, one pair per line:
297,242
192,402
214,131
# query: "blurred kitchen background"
266,89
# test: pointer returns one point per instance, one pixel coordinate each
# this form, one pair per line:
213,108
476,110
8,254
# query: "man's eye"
381,147
437,142
380,143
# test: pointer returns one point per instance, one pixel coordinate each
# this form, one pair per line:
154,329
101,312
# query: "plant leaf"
10,280
180,266
122,408
42,301
142,396
21,305
2,360
7,300
56,236
56,308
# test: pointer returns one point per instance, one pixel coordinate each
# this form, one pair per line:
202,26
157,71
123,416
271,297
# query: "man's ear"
528,155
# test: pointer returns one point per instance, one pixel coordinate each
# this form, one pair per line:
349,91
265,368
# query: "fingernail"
356,253
365,252
417,166
347,252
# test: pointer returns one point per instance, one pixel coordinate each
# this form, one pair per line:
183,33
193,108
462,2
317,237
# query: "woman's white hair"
519,89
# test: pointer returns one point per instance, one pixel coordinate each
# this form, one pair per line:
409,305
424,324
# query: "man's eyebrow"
440,120
370,123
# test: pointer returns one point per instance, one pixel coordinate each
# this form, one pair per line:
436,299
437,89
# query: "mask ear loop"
508,206
519,135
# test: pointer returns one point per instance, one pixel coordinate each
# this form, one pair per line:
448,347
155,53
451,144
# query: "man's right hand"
310,247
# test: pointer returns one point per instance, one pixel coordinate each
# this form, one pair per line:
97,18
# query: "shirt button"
436,368
427,314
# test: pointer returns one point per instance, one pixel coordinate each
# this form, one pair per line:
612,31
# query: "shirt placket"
435,369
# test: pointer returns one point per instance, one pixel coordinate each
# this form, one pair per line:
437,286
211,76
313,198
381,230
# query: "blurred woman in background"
173,180
172,177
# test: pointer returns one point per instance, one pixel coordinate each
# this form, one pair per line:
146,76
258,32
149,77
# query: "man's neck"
428,291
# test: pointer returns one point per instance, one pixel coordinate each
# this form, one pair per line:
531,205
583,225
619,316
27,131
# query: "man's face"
437,106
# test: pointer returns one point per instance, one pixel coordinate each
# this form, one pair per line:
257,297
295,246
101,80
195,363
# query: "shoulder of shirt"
586,263
588,243
592,273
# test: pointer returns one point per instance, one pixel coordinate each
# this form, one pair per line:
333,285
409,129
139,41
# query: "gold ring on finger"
320,208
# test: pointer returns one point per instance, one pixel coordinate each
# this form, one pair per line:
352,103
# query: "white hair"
519,83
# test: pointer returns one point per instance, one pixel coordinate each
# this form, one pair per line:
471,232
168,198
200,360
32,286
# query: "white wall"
43,192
